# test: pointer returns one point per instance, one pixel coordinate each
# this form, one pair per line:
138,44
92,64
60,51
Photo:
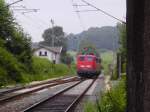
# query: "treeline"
15,51
106,37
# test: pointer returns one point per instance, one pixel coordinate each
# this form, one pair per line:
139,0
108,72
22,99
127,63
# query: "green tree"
20,47
11,67
6,22
15,47
55,35
13,38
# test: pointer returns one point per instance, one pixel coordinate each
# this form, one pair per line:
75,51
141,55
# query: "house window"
45,53
40,53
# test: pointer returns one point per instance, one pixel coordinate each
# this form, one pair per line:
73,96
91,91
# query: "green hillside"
104,38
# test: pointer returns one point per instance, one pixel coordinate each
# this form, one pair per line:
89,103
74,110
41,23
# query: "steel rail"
78,99
34,106
60,101
31,86
9,98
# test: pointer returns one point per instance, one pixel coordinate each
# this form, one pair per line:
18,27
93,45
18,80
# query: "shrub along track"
60,102
13,94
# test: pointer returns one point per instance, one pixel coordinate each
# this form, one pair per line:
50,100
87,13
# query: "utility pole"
119,65
53,41
53,37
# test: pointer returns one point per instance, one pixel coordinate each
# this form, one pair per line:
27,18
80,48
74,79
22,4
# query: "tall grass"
111,101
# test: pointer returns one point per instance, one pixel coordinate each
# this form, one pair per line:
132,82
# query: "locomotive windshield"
89,58
81,58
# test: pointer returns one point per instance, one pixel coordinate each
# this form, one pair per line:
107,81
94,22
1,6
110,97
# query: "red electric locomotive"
88,65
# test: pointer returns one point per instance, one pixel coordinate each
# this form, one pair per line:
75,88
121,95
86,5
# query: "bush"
115,99
44,69
11,68
3,77
13,71
61,69
41,65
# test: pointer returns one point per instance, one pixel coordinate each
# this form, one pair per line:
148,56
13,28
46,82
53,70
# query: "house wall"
57,58
50,55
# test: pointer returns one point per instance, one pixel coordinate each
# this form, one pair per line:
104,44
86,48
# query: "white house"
51,53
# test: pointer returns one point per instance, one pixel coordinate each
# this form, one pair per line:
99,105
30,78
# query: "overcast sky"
62,12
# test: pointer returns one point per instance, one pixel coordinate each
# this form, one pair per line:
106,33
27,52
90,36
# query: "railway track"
60,102
10,95
30,86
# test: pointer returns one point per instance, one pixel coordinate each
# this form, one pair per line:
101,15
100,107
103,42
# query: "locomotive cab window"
81,58
89,58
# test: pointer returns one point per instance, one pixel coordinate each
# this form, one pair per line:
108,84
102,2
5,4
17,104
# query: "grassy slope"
44,69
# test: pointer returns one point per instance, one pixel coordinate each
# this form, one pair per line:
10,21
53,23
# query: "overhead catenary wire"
35,16
75,6
79,5
24,9
104,12
14,3
37,24
24,12
85,10
18,6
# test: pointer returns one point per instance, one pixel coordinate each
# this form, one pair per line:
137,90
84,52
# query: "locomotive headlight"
88,66
82,66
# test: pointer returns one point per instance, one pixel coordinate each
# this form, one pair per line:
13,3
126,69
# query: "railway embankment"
112,98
